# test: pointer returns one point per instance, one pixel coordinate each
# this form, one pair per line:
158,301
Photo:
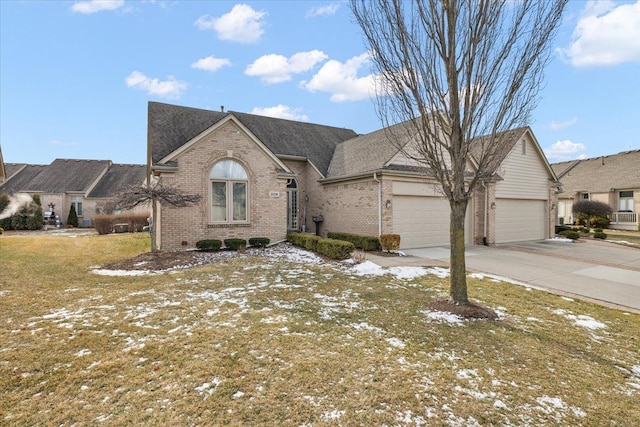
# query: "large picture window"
229,193
625,203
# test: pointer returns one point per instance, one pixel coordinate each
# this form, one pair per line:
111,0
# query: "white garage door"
520,220
422,221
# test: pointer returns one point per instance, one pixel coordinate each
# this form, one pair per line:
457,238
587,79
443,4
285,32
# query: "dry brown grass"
265,340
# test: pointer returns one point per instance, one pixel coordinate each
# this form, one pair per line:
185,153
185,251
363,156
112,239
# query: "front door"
292,205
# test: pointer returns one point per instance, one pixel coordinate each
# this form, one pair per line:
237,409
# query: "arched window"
229,192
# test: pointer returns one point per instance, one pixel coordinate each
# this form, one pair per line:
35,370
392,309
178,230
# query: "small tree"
155,193
72,219
35,217
591,212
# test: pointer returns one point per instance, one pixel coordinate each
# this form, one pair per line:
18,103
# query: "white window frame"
625,203
229,172
585,196
76,202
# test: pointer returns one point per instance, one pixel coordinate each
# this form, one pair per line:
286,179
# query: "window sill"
229,225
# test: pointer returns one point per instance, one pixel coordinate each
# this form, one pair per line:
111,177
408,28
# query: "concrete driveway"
602,272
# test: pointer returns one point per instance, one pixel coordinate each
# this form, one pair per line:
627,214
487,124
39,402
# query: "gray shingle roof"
365,153
171,126
600,174
65,175
118,178
19,175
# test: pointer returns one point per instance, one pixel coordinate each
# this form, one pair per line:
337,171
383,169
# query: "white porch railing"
624,221
624,218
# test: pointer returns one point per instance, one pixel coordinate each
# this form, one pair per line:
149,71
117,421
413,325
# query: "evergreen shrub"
599,235
209,245
259,242
332,248
235,244
366,243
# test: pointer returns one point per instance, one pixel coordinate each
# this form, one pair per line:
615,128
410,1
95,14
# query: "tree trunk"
154,217
458,279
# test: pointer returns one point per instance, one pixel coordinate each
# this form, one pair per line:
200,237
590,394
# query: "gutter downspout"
486,214
375,178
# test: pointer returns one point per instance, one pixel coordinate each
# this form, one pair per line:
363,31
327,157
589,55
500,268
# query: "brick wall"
183,227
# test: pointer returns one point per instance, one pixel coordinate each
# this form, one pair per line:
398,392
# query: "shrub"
599,235
335,249
332,248
585,230
390,242
561,228
259,242
137,222
72,219
209,245
366,243
591,212
1,230
235,244
570,234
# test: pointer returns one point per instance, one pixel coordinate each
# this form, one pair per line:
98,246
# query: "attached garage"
423,221
520,220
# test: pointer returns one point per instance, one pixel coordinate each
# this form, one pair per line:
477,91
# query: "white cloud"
564,150
561,125
605,34
327,10
342,80
211,63
94,6
243,24
281,112
274,68
170,88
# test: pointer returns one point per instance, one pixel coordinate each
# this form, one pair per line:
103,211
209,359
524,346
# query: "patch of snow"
499,404
333,415
586,322
560,239
208,388
368,268
238,394
396,342
83,352
443,317
568,299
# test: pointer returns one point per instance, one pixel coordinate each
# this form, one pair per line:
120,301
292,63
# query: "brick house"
614,180
88,185
264,177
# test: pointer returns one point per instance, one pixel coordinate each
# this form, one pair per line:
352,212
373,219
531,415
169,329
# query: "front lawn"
282,338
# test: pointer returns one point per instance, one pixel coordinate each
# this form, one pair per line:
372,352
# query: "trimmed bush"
332,248
235,244
335,249
366,243
561,228
585,230
599,235
570,234
390,242
259,242
209,245
135,222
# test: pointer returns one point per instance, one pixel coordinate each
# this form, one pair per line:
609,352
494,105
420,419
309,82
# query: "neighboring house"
263,177
3,172
614,180
88,185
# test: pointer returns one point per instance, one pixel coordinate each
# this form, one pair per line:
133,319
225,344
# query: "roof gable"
601,174
118,178
172,126
19,176
65,175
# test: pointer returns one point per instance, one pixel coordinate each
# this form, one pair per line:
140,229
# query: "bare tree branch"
159,192
454,75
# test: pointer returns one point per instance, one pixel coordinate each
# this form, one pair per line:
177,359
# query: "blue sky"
76,76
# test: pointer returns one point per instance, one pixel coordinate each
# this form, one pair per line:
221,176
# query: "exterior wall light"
387,204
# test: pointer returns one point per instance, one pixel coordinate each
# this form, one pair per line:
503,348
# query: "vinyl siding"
524,174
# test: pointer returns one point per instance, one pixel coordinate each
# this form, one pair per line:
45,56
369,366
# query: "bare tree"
155,193
450,72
